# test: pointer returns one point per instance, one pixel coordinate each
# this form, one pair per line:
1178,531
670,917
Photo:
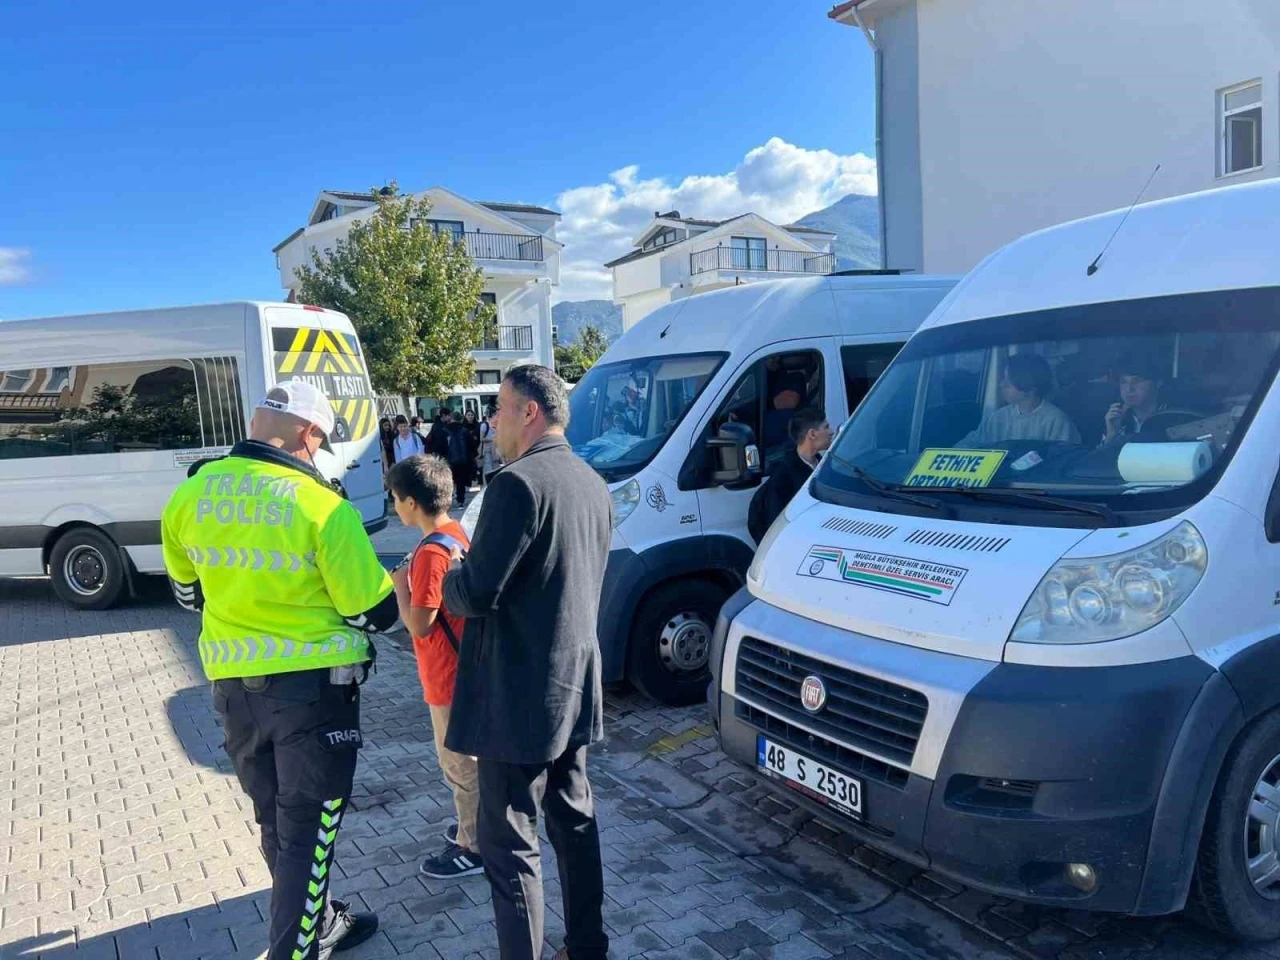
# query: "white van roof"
1222,239
123,334
756,314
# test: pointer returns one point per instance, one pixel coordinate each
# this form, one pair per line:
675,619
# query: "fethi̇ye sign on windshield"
955,468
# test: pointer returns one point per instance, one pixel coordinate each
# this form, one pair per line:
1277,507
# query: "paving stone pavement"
126,837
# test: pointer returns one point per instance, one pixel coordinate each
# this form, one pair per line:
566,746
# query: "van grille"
865,712
958,541
860,528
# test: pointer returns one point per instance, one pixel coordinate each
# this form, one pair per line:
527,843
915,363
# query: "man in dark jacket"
527,700
811,434
438,436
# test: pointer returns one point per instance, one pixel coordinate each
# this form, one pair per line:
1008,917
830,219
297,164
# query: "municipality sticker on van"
935,582
185,458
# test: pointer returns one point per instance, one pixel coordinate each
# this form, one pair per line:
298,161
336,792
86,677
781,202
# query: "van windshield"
620,414
1077,413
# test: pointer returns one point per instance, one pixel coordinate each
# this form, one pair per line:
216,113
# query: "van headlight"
1106,598
755,572
625,500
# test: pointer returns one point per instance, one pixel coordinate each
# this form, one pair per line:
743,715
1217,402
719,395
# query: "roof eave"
288,240
849,11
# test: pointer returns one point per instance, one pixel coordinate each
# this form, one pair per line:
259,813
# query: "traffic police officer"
289,588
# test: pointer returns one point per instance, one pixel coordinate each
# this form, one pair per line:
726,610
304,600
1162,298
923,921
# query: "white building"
677,256
998,117
514,244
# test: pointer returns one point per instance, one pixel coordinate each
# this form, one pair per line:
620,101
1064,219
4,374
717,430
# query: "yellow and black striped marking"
331,360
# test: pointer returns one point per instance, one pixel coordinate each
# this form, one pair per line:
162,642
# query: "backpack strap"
447,542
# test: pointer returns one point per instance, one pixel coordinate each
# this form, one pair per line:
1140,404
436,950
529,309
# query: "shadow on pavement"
197,727
232,929
31,612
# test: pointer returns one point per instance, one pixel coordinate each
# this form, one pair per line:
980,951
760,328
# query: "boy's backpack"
446,542
458,446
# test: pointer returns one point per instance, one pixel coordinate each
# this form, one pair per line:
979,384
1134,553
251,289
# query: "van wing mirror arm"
1271,518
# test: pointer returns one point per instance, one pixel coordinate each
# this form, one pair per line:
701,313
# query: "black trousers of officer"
293,739
510,795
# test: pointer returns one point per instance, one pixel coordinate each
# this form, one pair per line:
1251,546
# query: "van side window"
863,364
119,408
767,396
222,411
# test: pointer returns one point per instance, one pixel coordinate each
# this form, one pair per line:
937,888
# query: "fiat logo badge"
813,694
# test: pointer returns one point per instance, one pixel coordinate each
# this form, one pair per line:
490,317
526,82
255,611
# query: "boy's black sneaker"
456,861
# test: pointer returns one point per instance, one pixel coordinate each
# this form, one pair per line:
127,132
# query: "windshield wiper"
892,491
1037,498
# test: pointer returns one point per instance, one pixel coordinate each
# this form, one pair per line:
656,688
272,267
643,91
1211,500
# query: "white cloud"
778,180
15,265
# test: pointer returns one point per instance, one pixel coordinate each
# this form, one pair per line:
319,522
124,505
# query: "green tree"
573,360
412,292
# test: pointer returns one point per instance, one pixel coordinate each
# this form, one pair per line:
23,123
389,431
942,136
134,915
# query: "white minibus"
666,417
1022,627
102,415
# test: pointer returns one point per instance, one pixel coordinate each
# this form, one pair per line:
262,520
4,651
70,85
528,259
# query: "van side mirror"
736,457
1271,518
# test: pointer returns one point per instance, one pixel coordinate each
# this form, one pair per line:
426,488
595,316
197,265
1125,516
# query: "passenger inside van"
786,399
1026,414
1140,381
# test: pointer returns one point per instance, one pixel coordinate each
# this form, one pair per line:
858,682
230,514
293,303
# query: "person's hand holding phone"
1112,421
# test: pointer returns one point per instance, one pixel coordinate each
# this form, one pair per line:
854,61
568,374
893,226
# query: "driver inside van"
1026,414
1140,383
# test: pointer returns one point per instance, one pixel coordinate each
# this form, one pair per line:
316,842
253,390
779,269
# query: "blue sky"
155,152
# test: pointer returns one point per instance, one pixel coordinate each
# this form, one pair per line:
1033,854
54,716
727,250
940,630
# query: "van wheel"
667,657
1236,887
87,569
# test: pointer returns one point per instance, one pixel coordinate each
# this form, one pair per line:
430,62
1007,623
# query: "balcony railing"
763,261
498,246
509,338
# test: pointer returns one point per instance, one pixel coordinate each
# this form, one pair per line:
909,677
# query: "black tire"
86,569
672,624
1223,897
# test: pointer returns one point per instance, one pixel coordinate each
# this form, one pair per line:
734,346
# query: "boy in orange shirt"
422,487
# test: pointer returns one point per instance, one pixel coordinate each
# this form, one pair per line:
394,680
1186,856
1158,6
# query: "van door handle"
353,465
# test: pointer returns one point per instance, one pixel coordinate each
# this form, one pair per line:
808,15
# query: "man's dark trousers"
461,480
293,739
510,795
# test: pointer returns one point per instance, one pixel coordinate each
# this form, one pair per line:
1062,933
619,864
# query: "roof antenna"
1093,267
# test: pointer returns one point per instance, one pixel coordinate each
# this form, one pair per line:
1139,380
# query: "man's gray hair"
542,386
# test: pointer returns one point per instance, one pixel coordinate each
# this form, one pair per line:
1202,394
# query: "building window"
660,240
1241,127
489,378
748,253
448,226
56,380
15,381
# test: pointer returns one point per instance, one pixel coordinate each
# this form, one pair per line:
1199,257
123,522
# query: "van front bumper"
1018,770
